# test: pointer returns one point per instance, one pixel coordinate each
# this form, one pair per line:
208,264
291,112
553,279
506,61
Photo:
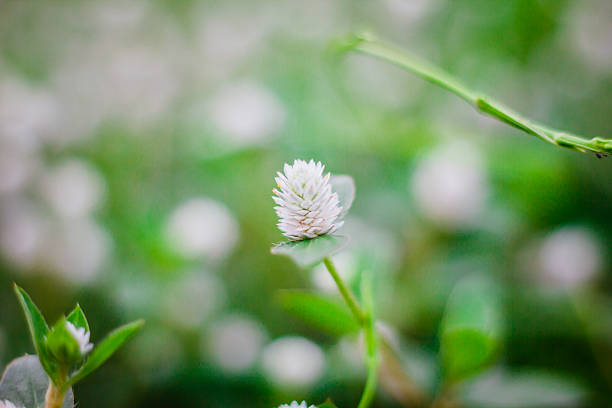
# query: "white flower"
81,336
9,404
293,362
307,207
294,404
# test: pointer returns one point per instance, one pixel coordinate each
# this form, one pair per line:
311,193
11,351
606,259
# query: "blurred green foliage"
173,101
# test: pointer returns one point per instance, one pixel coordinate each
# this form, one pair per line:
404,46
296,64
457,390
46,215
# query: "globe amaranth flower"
81,336
8,404
307,206
294,404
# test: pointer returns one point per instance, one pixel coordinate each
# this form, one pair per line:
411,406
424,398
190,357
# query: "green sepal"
77,318
38,330
310,252
344,186
327,404
105,349
318,311
62,345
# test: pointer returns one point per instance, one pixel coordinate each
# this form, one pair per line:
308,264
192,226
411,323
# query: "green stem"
365,44
344,291
54,398
371,348
366,321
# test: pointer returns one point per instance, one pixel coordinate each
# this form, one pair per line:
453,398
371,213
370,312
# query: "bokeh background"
138,145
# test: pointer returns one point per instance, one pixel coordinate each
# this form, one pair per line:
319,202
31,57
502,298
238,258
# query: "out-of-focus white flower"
293,361
202,227
22,232
16,168
246,113
8,404
449,185
81,336
227,39
235,343
156,353
569,257
99,81
294,404
191,300
27,115
76,250
73,188
307,206
408,12
590,32
347,266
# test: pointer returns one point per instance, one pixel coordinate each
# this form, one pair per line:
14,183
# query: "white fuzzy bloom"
294,404
307,206
81,336
9,404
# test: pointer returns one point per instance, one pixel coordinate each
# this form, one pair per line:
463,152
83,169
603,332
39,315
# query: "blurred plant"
368,44
65,357
311,207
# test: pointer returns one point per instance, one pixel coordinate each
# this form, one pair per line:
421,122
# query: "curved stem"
345,292
366,321
365,44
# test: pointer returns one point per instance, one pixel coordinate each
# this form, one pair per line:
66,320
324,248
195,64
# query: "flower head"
307,206
81,336
8,404
294,404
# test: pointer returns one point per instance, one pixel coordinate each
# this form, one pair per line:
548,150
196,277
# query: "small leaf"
25,383
327,404
309,252
345,187
500,389
77,318
470,332
38,330
105,349
318,311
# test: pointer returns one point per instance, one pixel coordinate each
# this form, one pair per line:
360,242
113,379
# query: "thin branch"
368,45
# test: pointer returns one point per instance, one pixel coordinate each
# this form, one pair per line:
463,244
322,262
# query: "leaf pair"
58,338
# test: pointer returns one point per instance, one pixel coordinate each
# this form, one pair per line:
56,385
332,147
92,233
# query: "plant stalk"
350,300
371,341
366,322
54,398
365,44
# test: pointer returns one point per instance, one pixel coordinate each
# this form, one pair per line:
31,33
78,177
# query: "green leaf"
38,330
309,252
25,383
105,349
318,311
471,329
345,187
77,318
500,389
327,404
